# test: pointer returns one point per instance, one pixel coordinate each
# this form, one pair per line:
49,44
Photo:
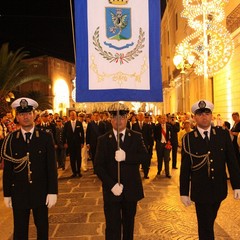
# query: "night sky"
41,27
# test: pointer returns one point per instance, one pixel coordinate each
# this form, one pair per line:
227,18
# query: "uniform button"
212,177
211,160
212,169
209,152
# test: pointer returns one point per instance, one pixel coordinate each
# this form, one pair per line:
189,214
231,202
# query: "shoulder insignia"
195,134
18,134
37,133
214,131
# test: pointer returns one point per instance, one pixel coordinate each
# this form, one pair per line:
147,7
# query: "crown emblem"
202,104
23,103
118,2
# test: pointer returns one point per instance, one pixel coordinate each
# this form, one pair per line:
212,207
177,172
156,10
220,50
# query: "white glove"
186,200
51,200
120,155
8,202
237,194
117,189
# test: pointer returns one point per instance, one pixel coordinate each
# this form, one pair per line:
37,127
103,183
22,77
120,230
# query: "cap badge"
202,104
23,103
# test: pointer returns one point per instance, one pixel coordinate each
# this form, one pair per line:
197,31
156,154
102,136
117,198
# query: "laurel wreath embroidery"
119,57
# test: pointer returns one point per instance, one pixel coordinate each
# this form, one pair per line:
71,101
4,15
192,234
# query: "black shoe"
146,177
174,167
79,175
73,176
168,176
158,173
63,168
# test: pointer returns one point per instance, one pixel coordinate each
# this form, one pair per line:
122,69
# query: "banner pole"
73,31
118,141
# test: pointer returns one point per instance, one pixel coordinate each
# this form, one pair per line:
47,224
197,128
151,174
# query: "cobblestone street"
160,216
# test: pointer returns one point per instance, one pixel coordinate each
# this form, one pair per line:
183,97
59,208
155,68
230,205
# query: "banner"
118,50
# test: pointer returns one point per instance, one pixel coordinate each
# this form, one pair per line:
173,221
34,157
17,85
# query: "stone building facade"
180,91
60,88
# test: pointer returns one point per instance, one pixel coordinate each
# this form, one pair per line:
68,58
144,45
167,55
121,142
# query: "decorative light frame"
211,44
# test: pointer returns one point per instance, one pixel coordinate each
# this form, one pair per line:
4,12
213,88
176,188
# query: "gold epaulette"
21,163
204,157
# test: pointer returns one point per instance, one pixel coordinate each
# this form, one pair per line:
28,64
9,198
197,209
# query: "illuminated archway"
61,99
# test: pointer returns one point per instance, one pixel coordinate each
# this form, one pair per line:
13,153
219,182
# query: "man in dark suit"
149,121
30,172
93,132
175,128
162,135
205,153
120,191
73,139
235,130
142,127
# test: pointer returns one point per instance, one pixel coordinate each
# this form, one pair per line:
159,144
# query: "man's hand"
51,200
117,189
237,194
8,202
120,155
186,200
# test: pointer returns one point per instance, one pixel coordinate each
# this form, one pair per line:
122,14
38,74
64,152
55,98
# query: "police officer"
205,152
30,172
47,125
120,192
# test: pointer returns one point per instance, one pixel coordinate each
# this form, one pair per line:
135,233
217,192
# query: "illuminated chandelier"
211,44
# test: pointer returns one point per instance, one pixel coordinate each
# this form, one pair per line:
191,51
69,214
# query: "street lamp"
183,64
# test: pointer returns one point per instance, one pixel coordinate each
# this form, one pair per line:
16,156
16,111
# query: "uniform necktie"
120,139
206,137
141,125
27,134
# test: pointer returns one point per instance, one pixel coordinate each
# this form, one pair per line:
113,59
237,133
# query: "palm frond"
43,101
12,69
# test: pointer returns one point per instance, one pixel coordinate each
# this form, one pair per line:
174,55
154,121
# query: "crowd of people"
165,132
118,143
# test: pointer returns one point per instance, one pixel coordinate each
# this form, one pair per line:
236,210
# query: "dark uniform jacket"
73,139
106,166
92,134
208,177
43,169
146,132
48,127
175,128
